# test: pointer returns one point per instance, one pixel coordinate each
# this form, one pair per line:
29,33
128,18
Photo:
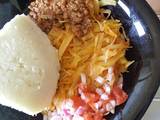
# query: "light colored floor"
155,5
153,112
158,94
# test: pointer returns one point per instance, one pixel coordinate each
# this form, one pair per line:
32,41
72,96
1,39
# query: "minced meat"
55,12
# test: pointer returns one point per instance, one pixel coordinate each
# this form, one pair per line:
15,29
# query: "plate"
143,79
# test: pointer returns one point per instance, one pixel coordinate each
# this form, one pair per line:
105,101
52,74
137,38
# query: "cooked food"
78,13
91,50
29,66
56,12
91,80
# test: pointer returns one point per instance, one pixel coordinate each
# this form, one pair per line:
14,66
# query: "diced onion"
100,80
104,96
99,91
83,78
107,88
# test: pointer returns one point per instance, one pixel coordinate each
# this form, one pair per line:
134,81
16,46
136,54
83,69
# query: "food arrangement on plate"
66,58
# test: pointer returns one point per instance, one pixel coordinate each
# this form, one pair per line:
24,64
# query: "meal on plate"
65,59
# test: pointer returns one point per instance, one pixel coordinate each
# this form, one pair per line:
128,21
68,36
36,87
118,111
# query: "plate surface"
141,83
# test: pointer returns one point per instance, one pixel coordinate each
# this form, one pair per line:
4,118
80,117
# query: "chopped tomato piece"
89,99
92,97
88,116
92,105
84,87
93,116
77,101
89,108
98,116
120,95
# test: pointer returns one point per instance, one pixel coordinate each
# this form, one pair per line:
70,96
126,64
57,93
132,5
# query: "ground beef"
55,12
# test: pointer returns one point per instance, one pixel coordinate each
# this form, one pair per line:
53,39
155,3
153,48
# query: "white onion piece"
100,79
104,96
107,88
99,91
83,78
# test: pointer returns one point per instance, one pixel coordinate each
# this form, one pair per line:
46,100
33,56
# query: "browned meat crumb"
55,12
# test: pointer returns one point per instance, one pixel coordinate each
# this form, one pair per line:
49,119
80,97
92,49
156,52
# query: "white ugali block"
29,66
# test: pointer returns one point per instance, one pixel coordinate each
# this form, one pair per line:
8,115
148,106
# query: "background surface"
153,112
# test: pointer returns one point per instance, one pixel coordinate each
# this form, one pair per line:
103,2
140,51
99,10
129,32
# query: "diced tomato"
84,87
98,116
89,108
88,116
77,101
93,116
92,97
120,95
92,106
88,98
